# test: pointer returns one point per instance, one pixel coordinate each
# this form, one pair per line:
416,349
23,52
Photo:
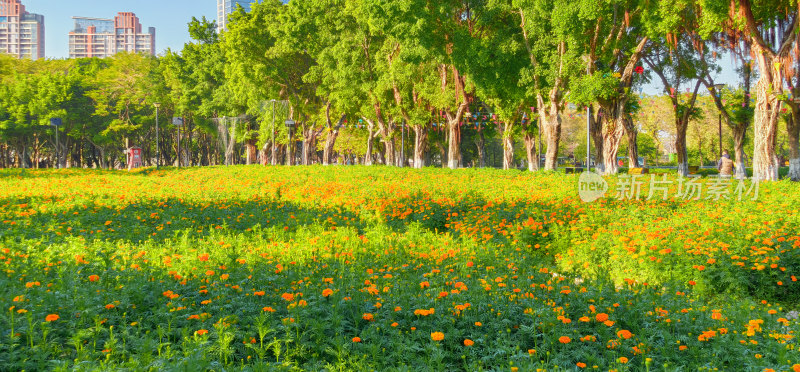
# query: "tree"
613,36
769,29
553,60
676,65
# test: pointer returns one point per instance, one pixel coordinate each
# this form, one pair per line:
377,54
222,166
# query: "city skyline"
21,32
100,37
170,19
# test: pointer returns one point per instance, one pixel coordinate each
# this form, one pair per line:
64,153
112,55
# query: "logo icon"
591,186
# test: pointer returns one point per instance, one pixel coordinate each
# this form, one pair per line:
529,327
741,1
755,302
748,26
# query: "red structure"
134,158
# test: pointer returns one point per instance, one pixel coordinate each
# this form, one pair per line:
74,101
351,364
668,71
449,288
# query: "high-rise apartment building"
225,8
98,37
21,33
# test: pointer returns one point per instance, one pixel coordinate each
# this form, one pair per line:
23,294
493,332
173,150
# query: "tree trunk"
389,151
596,126
765,167
614,129
680,147
310,136
552,131
530,151
370,141
252,151
290,152
739,133
480,143
508,150
454,143
330,142
633,147
793,129
420,145
442,153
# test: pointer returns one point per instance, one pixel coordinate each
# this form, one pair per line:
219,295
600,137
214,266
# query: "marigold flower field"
356,268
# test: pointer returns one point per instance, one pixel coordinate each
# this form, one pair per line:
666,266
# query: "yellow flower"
437,336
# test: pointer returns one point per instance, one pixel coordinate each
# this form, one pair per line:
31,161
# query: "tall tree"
769,29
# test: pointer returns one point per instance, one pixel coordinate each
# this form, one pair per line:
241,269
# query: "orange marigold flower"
437,336
478,324
356,339
424,285
469,342
209,272
110,306
203,257
269,309
224,276
602,317
201,332
796,368
288,297
93,278
609,323
394,324
327,292
531,351
51,317
564,340
368,317
625,334
623,360
581,365
259,293
682,347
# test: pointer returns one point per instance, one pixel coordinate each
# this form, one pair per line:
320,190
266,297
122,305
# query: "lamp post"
718,88
289,125
158,149
56,122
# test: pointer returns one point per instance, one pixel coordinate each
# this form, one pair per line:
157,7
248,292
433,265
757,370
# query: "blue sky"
169,17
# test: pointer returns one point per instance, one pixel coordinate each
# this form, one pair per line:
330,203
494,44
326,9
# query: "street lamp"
718,88
289,125
56,122
158,150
